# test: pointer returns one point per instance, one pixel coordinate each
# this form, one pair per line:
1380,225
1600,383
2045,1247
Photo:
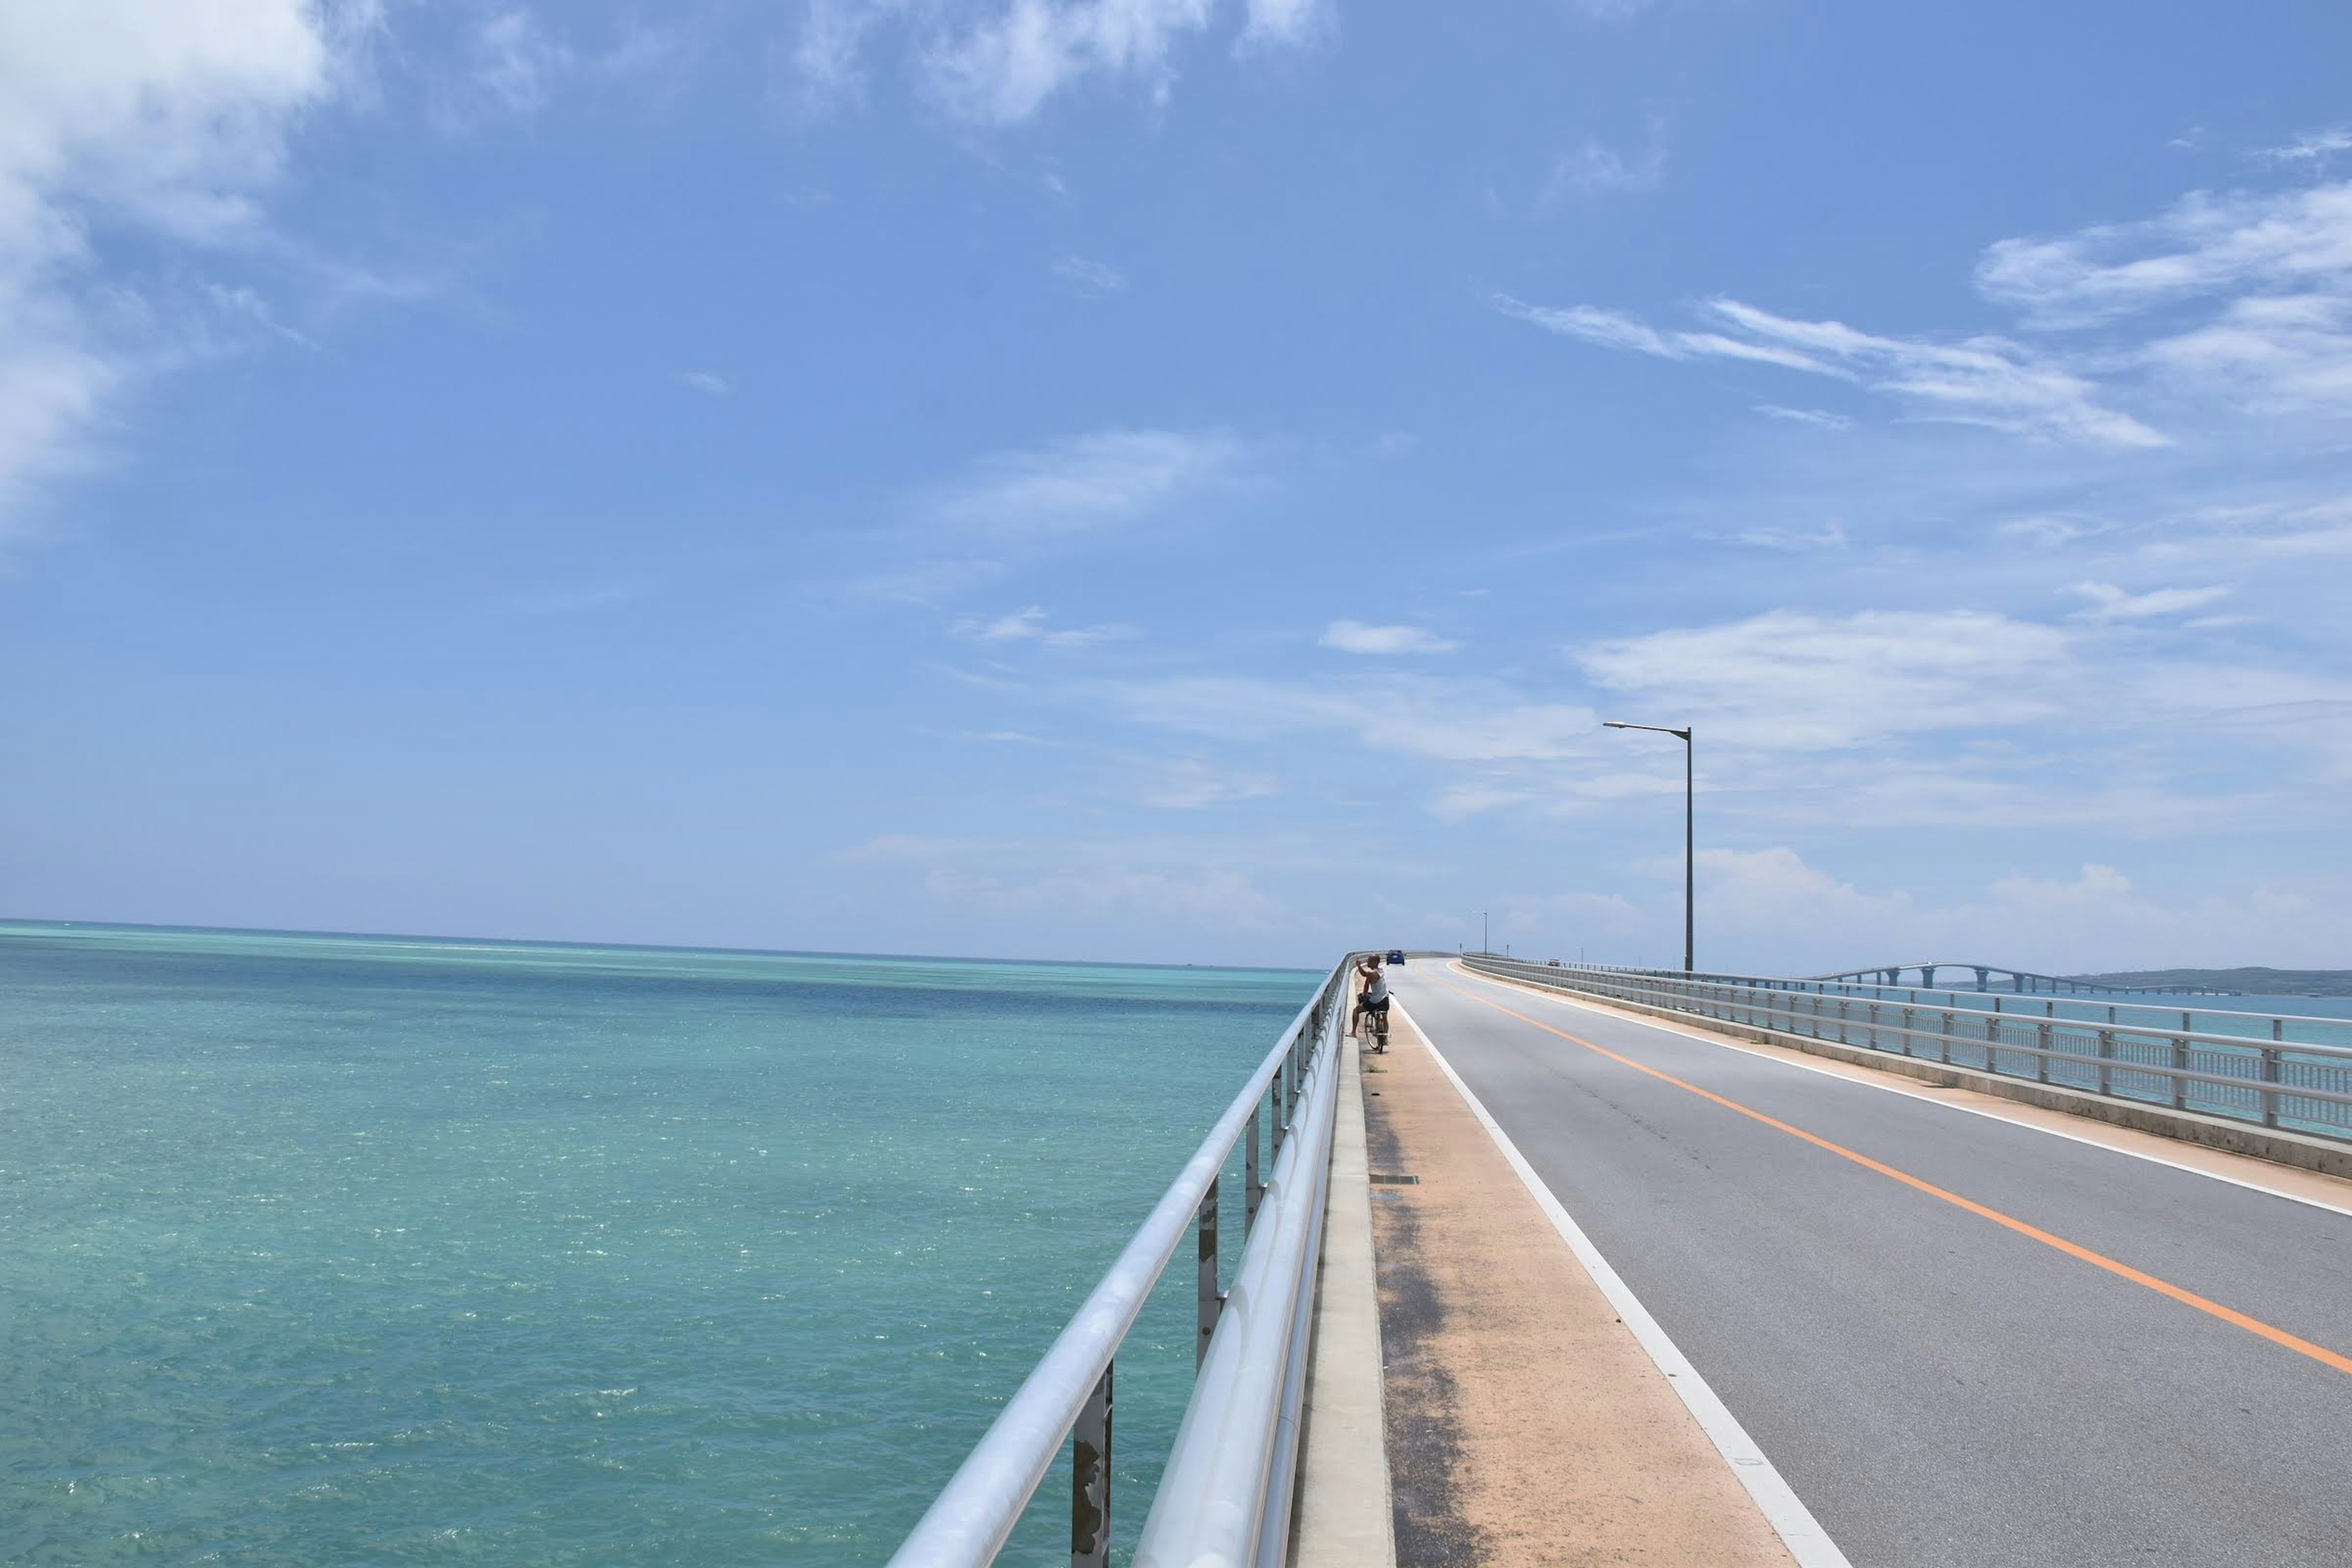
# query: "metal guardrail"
2302,1086
1225,1494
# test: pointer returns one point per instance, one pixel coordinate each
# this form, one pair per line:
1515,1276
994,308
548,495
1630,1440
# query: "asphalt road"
1938,1388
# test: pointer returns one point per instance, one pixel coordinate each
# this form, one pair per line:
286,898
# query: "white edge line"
1891,1083
1786,1513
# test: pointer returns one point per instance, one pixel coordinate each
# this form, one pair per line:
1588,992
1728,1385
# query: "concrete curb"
2282,1148
1344,1518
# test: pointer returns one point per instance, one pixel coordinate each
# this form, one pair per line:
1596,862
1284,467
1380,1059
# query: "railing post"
1211,1300
2107,1056
1090,1480
2181,1064
1944,1041
2272,1064
1274,1108
1251,1190
2042,1045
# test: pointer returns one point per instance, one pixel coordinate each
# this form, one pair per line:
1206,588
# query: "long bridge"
2016,980
1608,1266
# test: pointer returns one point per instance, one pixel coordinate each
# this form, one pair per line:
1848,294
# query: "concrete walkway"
1525,1423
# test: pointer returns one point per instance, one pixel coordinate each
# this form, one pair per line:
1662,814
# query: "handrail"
1811,984
1069,1390
2273,1082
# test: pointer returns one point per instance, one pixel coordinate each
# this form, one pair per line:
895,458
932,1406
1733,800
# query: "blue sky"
1181,480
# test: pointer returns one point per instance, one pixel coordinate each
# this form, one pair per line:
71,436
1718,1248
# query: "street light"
1684,735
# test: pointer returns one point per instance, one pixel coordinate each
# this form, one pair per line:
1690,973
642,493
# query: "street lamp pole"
1689,796
1483,947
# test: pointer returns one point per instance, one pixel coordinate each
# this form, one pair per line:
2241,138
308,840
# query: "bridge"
2016,980
1598,1265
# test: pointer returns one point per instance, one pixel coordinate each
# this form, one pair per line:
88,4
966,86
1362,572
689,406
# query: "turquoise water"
341,1250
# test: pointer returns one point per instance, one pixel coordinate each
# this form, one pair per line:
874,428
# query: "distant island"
2252,982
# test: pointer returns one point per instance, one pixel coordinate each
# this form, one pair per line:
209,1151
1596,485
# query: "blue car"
1396,956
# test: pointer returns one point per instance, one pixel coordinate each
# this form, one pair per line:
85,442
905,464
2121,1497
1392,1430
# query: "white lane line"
1888,1084
1790,1519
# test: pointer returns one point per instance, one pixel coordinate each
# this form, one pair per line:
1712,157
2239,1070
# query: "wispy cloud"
999,62
2109,603
576,600
515,60
514,65
1832,536
1984,380
2311,147
1820,419
1080,881
709,381
1089,279
1792,679
1087,482
1355,636
1028,624
1592,169
1286,24
1190,784
2204,245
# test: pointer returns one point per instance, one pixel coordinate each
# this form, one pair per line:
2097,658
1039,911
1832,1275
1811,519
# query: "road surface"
1940,1386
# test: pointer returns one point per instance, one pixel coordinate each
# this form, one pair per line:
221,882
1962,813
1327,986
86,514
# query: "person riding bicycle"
1372,1000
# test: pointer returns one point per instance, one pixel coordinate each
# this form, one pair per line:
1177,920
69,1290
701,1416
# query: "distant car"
1396,956
1553,961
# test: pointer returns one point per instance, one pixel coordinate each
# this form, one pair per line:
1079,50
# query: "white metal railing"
2302,1085
1225,1494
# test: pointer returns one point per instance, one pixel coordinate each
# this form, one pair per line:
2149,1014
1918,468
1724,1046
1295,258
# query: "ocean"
333,1250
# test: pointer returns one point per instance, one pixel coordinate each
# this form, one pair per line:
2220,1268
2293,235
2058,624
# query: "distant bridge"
2021,981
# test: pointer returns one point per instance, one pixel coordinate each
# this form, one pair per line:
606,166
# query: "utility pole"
1483,950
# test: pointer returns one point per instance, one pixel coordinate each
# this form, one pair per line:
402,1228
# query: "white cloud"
1441,720
1000,70
2096,920
515,62
827,70
1819,418
2109,603
1028,624
2311,147
999,62
1792,680
514,66
2279,354
2204,245
1830,537
1190,784
1985,380
706,380
1355,636
1286,24
1087,482
1592,169
171,120
1089,279
1080,881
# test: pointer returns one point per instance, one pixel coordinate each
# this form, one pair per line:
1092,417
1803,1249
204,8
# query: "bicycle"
1372,1028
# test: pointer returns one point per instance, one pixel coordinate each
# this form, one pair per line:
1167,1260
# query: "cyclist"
1372,1000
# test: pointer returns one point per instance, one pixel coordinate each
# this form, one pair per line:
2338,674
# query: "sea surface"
337,1250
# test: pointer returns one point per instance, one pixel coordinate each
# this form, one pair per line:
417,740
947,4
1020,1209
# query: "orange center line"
2277,1336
